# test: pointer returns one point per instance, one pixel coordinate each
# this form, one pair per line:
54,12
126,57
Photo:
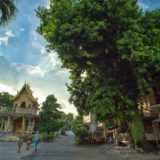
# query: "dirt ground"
131,154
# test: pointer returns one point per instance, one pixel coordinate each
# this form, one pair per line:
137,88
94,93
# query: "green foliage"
111,49
50,115
48,137
63,133
8,11
137,128
0,120
66,120
139,150
5,99
80,130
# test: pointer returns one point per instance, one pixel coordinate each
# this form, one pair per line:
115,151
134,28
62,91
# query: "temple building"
23,115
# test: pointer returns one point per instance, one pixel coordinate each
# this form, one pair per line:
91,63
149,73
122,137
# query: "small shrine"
23,115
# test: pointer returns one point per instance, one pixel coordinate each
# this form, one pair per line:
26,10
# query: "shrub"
48,137
137,128
81,133
63,133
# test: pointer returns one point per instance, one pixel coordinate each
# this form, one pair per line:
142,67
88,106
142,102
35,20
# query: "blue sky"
149,4
23,56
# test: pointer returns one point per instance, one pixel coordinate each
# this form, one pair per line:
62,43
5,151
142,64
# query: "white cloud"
67,107
4,40
29,69
34,70
22,29
53,58
9,33
40,96
144,6
43,50
47,4
34,35
5,88
63,72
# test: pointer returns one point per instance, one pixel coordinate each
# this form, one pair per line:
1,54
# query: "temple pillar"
29,125
1,129
33,124
23,124
8,124
105,135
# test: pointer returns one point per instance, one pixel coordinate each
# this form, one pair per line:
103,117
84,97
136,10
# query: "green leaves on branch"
136,128
5,99
50,116
8,11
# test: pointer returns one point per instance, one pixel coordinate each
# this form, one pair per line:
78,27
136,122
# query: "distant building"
22,116
98,130
150,107
151,118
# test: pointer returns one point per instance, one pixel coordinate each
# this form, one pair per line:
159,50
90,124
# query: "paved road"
65,149
8,151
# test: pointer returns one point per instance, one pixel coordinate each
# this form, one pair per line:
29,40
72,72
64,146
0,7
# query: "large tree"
8,11
111,49
50,115
5,99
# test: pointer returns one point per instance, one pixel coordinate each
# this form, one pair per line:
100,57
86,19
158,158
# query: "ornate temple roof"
29,93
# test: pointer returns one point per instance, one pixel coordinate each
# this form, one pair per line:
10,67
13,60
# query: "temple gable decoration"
25,98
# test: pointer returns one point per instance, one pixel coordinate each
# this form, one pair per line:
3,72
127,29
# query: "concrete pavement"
65,149
8,151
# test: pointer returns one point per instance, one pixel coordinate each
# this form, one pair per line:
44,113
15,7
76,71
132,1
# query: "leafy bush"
80,130
48,137
63,133
137,128
82,133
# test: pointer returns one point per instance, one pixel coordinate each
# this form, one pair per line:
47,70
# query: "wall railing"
17,110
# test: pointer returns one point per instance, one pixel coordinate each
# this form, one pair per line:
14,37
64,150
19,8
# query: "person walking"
29,141
20,143
36,138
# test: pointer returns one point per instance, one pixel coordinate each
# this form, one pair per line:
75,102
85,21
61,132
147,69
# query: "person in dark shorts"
20,142
29,142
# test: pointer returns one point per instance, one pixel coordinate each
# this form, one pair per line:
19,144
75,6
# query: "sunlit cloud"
22,29
144,6
47,4
6,88
29,69
9,33
4,40
63,73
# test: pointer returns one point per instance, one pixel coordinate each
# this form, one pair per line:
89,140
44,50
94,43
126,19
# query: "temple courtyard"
64,148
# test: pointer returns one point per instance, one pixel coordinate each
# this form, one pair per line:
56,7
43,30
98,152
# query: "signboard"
92,127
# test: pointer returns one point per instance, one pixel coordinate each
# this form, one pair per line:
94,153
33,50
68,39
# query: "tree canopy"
8,11
5,99
112,49
50,115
